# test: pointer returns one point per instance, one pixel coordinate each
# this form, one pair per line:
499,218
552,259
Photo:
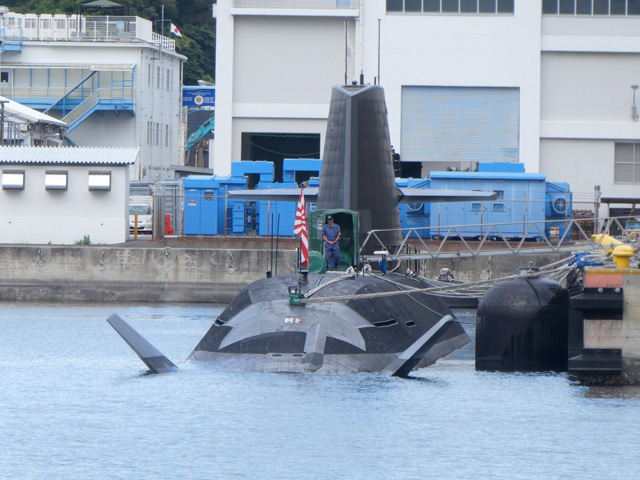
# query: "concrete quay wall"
124,274
151,272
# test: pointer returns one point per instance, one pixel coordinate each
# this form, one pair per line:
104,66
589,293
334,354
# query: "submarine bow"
262,331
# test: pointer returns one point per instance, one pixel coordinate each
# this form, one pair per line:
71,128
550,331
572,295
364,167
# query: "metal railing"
76,28
454,242
319,4
93,99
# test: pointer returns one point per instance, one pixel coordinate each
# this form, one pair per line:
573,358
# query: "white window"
99,180
627,163
13,179
55,180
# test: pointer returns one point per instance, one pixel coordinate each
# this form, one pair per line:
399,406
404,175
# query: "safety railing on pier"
453,242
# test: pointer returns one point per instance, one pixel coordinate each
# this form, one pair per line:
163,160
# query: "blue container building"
520,202
204,205
524,201
415,215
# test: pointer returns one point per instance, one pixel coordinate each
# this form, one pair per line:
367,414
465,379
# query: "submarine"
336,322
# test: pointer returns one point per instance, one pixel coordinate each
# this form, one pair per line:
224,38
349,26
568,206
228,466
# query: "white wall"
273,67
587,69
153,102
574,75
38,216
462,50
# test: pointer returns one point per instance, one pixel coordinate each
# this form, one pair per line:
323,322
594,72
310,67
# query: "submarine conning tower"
357,170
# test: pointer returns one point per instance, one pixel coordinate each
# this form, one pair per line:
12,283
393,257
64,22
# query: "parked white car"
145,218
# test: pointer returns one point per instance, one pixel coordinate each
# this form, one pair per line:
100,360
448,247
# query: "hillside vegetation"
192,17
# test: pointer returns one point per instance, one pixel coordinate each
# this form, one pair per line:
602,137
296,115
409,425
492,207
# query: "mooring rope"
557,271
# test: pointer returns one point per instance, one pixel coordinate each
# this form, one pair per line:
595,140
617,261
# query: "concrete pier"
151,273
176,270
604,337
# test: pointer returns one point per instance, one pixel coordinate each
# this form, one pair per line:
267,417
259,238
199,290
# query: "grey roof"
68,155
21,113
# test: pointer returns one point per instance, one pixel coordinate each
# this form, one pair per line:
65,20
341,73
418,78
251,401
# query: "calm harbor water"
74,403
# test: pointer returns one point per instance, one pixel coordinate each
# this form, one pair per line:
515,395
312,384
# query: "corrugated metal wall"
460,124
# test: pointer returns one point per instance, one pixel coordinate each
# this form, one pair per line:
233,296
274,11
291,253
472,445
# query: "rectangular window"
633,7
487,6
432,6
394,5
627,163
157,142
149,134
469,6
13,179
413,5
460,6
450,6
158,78
168,80
550,7
583,7
55,180
567,7
505,6
618,7
166,136
498,207
4,77
476,207
149,75
99,180
601,7
500,194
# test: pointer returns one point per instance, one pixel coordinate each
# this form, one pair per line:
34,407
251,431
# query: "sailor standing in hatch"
331,234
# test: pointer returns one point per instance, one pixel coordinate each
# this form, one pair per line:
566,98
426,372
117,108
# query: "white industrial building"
549,83
64,195
114,81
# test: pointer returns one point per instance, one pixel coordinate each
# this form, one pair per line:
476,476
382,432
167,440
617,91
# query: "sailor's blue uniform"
331,252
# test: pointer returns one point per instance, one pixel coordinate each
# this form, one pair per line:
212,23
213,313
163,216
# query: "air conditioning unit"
558,201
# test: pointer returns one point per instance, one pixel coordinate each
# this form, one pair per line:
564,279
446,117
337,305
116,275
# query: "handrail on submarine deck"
493,241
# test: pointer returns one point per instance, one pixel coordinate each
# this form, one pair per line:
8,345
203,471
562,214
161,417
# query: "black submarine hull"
261,331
